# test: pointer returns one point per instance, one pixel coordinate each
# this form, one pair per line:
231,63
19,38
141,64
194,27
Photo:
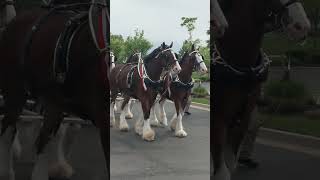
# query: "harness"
79,17
227,75
61,54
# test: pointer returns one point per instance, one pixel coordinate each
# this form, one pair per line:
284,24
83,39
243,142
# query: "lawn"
296,123
201,100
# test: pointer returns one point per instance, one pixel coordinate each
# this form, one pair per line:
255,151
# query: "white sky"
160,19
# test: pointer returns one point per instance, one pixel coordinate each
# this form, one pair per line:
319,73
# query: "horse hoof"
181,134
173,127
138,131
124,129
129,116
112,122
155,123
61,170
148,135
163,124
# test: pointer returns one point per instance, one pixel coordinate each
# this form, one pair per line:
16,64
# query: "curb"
290,141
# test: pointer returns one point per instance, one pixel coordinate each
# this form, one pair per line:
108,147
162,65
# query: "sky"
160,19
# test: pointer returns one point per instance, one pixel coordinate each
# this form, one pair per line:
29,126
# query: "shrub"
286,96
200,92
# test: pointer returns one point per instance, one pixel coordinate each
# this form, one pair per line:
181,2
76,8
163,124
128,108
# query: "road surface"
172,158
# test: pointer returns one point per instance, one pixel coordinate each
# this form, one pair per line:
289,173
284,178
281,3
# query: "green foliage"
201,77
200,92
189,23
123,48
286,96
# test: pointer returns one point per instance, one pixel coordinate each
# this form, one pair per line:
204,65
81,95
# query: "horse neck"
154,69
242,41
186,72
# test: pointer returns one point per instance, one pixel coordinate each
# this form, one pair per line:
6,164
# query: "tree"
117,43
123,48
189,23
137,43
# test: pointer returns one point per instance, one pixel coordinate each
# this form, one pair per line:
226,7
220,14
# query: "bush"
200,92
286,97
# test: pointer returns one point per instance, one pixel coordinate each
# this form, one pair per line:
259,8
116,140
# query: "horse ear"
193,47
177,55
163,45
171,45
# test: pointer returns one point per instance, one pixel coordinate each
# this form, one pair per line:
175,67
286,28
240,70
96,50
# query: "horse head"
218,22
166,54
288,15
196,60
7,12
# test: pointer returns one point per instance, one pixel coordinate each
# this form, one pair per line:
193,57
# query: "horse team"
29,68
161,73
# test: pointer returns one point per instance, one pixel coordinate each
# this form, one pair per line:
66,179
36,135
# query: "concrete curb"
290,141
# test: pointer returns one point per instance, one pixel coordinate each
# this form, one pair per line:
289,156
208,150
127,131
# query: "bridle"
197,64
168,65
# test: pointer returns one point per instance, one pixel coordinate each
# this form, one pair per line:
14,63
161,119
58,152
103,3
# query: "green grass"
202,77
201,100
296,123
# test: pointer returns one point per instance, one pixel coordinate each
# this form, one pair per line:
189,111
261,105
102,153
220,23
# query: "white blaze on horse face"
176,68
299,24
200,61
218,19
112,61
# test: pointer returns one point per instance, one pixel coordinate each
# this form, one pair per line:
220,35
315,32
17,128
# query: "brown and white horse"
27,50
180,90
239,69
134,58
144,80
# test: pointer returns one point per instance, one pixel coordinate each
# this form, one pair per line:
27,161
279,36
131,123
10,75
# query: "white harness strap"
142,71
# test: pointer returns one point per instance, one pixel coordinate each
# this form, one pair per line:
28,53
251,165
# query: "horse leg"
129,114
153,117
123,125
112,109
237,134
59,167
162,113
98,113
14,99
48,140
147,132
139,123
221,171
179,130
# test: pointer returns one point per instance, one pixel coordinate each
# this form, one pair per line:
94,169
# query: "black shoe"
250,163
187,113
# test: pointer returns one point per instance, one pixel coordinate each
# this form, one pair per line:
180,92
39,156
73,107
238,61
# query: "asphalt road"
171,158
168,157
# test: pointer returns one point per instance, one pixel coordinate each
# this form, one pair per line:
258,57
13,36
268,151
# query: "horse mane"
152,55
183,59
129,58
